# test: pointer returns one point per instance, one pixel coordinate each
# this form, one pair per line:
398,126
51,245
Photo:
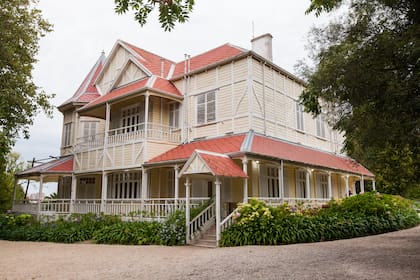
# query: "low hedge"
360,215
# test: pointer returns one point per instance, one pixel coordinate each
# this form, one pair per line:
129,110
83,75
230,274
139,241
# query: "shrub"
173,229
365,214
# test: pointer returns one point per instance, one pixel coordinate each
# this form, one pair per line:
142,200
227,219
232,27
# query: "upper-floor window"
67,134
299,116
174,115
132,117
89,129
320,126
206,107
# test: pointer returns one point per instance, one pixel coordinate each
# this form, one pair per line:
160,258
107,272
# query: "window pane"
201,113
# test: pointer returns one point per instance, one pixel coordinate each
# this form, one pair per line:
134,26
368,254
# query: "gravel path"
393,255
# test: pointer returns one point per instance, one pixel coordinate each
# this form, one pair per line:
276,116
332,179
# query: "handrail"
201,220
228,221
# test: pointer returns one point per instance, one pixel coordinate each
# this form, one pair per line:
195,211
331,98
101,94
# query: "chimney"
263,46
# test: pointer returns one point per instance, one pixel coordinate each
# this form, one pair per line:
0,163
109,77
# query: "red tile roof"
223,145
61,165
166,86
151,61
222,165
264,146
118,92
87,90
275,148
210,57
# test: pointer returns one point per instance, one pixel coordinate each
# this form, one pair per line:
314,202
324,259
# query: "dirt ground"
393,255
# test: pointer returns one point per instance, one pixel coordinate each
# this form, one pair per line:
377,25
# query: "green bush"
173,229
365,214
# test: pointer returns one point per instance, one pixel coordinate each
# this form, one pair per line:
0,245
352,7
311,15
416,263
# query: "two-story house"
146,134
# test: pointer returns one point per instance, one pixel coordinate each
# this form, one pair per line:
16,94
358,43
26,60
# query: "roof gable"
87,90
130,72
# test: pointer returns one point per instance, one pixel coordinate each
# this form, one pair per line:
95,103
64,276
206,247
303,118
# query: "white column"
41,185
329,186
146,115
245,169
217,183
308,183
176,168
347,185
73,192
374,184
281,180
187,210
362,185
104,191
14,193
144,184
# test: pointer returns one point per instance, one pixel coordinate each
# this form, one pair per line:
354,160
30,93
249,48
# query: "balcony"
129,134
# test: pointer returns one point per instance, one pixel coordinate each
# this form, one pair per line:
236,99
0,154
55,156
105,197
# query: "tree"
21,27
7,179
170,11
367,80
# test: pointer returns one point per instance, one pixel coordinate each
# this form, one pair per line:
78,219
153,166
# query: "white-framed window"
301,183
124,185
322,185
86,189
269,181
132,118
299,116
206,107
67,134
90,129
320,126
286,183
171,183
174,115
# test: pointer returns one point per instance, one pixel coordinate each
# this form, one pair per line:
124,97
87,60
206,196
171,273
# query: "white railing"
201,220
228,221
84,206
293,201
89,142
29,206
58,206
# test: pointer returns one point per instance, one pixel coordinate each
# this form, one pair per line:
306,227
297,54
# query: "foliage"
173,229
170,11
7,178
366,80
21,27
365,214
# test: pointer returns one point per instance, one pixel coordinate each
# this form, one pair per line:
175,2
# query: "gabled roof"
63,165
87,90
254,144
152,83
210,57
213,163
151,61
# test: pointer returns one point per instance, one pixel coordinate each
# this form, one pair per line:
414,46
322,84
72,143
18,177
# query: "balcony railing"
293,201
129,134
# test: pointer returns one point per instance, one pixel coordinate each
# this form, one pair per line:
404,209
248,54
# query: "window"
269,181
299,116
320,126
67,134
322,186
171,183
124,185
301,184
174,115
89,130
86,188
132,118
206,107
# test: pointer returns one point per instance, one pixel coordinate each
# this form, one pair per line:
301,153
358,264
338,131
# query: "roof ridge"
215,48
155,54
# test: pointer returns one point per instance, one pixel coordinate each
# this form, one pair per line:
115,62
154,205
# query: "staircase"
207,239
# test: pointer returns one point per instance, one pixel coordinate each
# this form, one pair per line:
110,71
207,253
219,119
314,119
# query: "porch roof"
259,145
213,163
63,165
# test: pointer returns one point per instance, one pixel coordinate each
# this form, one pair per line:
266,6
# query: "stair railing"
201,220
228,221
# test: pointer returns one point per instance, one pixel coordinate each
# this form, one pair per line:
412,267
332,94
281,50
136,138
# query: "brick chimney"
263,46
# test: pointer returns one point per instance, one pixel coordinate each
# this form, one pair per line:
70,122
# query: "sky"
83,29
